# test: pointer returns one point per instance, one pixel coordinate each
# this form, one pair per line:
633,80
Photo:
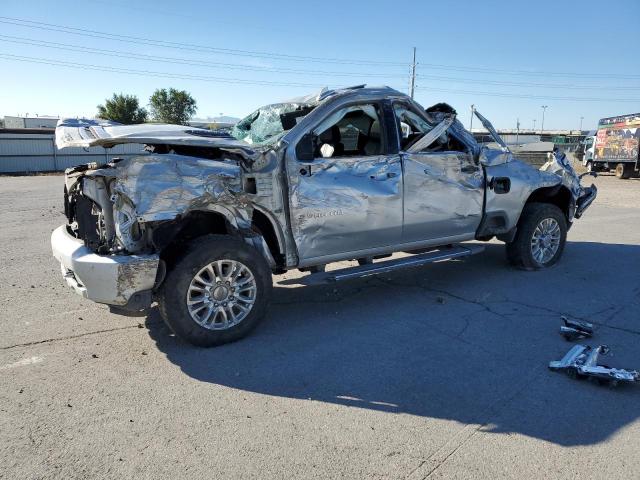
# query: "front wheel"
540,238
217,293
590,167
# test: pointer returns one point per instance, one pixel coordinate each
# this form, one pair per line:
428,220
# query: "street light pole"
534,125
544,107
581,118
471,121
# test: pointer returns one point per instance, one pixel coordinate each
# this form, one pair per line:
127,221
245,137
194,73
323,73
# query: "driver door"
347,197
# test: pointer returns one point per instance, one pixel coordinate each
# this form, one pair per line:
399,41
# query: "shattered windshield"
267,124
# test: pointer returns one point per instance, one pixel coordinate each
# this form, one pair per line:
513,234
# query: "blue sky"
508,58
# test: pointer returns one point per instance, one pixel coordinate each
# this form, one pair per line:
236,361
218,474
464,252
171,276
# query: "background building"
30,122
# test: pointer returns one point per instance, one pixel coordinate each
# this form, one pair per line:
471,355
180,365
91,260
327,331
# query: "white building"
30,122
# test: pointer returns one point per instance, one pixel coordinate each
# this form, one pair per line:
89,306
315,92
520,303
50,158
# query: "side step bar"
439,255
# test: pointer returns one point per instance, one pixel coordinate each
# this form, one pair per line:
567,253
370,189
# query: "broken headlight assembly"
130,233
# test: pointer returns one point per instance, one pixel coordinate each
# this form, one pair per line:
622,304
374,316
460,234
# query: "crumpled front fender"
162,187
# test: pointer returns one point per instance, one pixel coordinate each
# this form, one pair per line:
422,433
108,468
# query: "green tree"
172,106
122,108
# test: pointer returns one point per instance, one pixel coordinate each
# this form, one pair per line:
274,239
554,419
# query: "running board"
439,255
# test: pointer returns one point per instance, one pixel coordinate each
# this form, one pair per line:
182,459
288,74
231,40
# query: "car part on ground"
575,330
582,362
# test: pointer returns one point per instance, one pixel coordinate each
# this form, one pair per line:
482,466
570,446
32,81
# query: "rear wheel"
540,238
623,171
217,293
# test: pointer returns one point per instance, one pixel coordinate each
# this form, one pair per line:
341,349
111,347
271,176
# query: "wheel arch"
558,195
259,231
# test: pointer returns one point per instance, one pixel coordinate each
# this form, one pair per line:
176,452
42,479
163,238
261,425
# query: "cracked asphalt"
434,372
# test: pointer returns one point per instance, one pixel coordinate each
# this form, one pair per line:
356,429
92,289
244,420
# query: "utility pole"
517,132
534,125
581,118
544,107
473,107
412,84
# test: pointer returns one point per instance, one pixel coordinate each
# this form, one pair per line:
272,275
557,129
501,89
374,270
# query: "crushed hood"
72,132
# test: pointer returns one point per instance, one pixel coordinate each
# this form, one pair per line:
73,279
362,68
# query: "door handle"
469,169
384,176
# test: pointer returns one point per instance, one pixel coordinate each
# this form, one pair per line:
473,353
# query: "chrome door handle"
384,176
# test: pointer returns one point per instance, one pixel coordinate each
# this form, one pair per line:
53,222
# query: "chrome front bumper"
113,279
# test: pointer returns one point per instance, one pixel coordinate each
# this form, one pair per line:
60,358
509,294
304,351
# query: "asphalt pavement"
433,372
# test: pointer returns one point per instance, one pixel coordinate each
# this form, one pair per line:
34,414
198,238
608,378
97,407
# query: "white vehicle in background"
587,152
615,146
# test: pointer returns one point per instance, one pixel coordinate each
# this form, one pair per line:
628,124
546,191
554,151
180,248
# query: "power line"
151,73
243,67
289,57
187,46
182,61
531,97
523,84
435,66
225,80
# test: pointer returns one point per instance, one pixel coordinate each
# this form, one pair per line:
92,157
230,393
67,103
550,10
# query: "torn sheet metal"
492,131
559,164
431,136
582,362
575,329
72,132
161,187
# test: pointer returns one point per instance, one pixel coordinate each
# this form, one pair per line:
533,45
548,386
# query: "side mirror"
306,148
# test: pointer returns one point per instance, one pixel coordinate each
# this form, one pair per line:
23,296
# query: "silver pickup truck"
200,220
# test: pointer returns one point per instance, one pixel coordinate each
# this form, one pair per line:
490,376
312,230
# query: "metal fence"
25,153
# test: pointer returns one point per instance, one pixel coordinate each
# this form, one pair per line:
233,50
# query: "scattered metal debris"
582,362
575,330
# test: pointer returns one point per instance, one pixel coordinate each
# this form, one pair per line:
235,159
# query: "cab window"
353,131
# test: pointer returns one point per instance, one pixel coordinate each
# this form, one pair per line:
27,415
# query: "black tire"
622,171
172,296
365,261
519,251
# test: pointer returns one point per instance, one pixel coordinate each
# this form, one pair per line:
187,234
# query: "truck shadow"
466,341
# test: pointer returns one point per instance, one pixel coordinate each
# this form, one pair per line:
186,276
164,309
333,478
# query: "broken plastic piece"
582,362
575,330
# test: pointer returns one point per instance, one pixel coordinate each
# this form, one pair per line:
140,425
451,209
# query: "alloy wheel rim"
221,294
545,241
